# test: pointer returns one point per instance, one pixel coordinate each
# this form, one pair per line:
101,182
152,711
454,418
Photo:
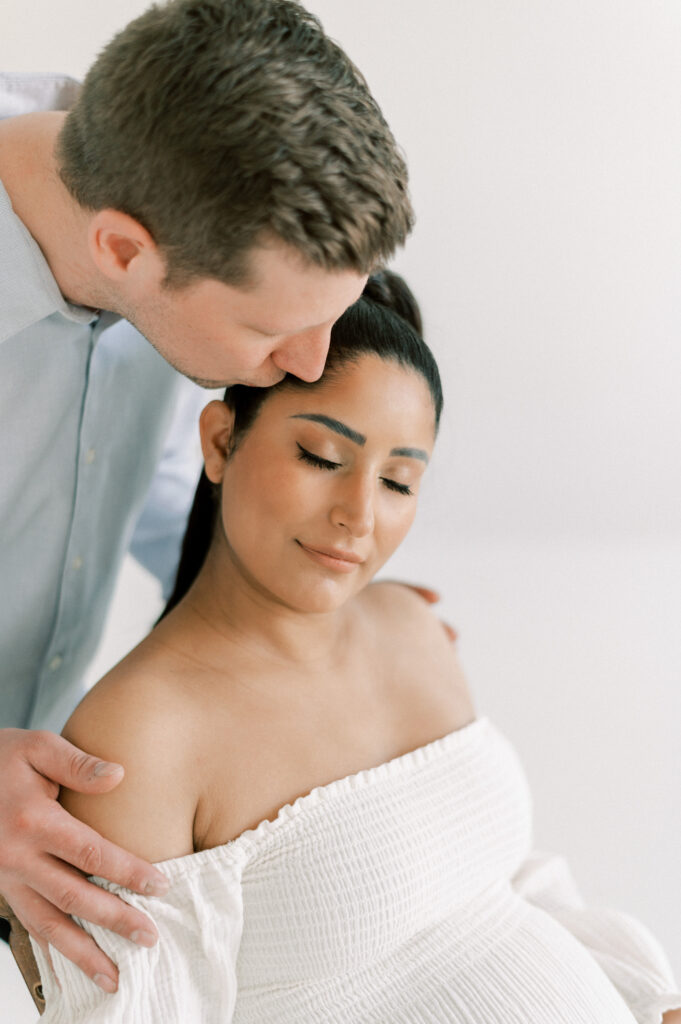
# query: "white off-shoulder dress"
404,894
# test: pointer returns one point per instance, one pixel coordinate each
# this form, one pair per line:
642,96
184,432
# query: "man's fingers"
78,844
427,593
58,760
45,853
432,597
48,925
450,631
75,896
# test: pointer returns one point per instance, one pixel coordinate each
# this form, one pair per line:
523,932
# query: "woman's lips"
341,561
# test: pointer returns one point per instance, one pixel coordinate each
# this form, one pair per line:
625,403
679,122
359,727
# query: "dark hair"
385,321
215,122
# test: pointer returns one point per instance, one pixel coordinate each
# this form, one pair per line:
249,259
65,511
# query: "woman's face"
323,487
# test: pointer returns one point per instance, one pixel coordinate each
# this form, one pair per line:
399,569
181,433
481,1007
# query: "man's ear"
216,424
122,248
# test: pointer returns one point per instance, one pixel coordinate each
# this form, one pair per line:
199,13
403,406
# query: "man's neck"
28,171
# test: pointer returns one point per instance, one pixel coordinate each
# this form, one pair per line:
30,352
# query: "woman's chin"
323,597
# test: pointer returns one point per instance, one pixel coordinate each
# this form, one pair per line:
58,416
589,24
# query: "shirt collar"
28,290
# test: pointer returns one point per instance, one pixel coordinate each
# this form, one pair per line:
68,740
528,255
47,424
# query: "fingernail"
104,768
157,888
143,938
106,983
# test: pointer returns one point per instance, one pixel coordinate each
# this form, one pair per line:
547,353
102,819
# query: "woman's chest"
366,864
259,758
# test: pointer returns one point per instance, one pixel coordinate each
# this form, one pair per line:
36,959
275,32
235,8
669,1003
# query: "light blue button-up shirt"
98,454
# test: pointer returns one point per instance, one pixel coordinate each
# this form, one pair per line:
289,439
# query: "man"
223,181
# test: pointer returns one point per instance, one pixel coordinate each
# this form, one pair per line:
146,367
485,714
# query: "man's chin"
265,381
209,385
253,382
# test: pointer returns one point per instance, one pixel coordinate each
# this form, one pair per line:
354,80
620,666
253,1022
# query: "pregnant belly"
497,962
532,971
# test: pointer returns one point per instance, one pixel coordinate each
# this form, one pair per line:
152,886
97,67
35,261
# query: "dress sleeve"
189,975
625,950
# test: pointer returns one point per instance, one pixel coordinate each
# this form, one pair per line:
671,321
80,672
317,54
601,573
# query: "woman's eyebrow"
345,431
327,421
411,453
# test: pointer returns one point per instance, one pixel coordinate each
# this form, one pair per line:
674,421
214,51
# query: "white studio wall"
545,151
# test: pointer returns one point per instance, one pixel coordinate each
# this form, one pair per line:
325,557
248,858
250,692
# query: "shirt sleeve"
159,531
625,950
189,975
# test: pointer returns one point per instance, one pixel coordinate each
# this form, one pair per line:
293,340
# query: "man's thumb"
63,763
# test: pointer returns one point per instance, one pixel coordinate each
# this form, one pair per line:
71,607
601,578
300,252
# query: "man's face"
219,334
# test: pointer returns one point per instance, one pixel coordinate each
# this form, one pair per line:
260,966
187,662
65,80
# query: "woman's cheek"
399,527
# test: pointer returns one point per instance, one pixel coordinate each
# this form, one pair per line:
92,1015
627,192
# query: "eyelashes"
393,485
315,460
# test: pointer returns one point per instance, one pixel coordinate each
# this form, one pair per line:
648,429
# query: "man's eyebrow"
411,453
327,421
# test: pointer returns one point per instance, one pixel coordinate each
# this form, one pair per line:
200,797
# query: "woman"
346,841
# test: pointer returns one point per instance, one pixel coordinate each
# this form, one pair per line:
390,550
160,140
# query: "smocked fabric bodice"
389,896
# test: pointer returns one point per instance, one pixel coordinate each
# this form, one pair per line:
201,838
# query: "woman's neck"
225,610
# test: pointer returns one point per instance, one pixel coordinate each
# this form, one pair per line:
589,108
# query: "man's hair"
217,122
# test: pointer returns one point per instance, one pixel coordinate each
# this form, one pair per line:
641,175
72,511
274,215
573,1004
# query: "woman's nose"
354,508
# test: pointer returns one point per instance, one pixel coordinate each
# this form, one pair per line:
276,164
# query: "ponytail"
197,540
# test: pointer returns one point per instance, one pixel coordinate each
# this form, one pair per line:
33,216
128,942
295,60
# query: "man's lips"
332,558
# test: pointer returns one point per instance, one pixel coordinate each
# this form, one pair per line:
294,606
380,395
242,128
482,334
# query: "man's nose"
304,354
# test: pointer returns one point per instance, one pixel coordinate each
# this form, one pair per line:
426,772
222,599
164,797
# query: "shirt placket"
56,675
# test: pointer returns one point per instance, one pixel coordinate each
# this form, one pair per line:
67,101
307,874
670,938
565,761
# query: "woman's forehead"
364,395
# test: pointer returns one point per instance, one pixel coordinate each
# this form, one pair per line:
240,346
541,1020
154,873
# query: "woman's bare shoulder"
141,718
417,648
398,607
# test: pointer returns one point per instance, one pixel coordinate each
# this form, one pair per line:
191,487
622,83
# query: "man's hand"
45,853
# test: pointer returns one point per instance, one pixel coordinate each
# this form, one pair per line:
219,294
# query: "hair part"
215,122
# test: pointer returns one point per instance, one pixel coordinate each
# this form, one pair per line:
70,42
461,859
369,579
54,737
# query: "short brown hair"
214,122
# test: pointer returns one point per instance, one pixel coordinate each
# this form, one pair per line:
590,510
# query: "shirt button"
77,563
56,663
90,456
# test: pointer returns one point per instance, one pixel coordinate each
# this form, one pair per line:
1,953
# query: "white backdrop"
544,142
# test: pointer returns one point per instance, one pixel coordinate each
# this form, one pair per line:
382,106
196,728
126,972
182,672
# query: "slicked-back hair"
217,122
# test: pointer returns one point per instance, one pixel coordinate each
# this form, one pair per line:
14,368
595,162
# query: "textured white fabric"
404,894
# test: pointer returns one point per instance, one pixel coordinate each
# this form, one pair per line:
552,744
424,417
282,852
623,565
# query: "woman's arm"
143,724
189,975
146,725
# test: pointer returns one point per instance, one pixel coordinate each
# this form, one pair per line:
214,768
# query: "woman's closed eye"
315,460
393,485
319,463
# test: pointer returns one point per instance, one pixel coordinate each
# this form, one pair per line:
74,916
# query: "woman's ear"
216,424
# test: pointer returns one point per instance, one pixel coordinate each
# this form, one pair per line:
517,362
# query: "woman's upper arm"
151,811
